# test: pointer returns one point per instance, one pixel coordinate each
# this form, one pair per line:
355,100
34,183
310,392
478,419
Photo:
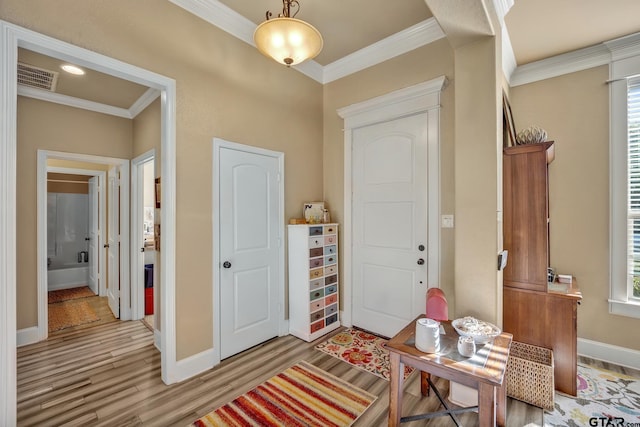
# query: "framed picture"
158,192
509,139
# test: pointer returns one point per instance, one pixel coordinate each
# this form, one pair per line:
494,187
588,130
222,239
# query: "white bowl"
482,332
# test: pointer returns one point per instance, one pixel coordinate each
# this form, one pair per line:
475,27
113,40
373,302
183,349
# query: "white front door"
249,249
389,176
113,242
93,234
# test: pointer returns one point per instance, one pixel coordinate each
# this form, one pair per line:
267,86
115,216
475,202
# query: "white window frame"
624,65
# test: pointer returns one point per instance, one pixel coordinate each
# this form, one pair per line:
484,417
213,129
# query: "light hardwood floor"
109,375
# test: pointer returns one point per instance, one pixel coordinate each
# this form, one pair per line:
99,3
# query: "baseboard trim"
157,339
193,365
609,353
27,336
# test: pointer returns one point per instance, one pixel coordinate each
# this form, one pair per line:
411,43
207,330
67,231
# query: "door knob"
420,261
421,248
226,264
141,249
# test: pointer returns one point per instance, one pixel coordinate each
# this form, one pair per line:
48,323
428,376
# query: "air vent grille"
29,75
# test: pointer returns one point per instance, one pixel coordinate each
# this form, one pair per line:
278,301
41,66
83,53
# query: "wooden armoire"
534,311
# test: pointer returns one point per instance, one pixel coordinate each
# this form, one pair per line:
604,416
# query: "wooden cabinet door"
525,216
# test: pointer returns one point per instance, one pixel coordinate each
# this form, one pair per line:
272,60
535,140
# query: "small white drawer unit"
313,280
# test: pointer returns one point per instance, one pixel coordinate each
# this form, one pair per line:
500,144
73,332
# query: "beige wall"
574,110
415,67
226,89
47,126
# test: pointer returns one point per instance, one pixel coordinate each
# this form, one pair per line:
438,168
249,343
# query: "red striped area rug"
302,395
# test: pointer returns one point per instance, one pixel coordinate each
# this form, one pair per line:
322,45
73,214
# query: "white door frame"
283,325
423,97
102,201
137,208
11,37
43,157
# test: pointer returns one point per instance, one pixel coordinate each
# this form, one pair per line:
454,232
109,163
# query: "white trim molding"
423,97
609,353
578,60
194,365
416,36
230,21
27,336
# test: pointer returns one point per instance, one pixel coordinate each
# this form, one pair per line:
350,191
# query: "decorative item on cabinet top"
531,135
313,212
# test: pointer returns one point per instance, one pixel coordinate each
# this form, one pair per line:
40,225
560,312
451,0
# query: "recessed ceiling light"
72,69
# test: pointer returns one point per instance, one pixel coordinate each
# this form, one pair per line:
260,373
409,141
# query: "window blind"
633,138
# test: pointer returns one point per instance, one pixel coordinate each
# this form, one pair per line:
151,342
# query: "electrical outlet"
447,221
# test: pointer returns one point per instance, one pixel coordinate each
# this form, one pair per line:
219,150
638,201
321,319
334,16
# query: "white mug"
466,346
428,335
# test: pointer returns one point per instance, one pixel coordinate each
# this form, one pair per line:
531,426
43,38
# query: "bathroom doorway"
78,243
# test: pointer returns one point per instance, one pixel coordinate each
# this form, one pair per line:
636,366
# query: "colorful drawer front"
331,269
316,262
330,240
330,250
315,273
316,316
316,242
316,294
315,231
315,327
331,299
330,289
331,279
316,305
316,284
330,229
316,252
331,259
332,309
331,319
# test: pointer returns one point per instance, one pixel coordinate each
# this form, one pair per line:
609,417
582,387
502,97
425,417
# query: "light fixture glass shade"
289,41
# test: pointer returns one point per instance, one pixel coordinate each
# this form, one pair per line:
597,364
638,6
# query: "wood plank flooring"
109,375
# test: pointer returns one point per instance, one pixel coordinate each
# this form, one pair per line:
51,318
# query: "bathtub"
64,278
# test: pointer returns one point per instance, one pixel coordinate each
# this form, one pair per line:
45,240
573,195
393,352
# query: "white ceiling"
356,31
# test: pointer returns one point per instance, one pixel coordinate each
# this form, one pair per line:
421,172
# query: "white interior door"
93,234
113,242
389,258
249,249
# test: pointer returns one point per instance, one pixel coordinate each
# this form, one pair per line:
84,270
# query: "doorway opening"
13,37
102,267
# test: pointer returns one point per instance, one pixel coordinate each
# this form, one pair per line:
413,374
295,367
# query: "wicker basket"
530,375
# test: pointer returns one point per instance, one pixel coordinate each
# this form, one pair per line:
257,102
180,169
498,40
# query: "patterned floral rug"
602,395
362,350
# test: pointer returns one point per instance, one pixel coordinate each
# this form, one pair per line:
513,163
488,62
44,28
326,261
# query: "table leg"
501,404
486,405
395,389
424,383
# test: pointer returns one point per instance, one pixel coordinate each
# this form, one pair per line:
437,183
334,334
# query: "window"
625,187
633,203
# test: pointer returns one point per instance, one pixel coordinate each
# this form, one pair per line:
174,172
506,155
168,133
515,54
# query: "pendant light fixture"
288,40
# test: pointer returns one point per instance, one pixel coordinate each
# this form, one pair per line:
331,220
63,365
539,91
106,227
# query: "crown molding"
70,101
418,35
143,102
240,27
221,16
559,65
624,47
44,95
